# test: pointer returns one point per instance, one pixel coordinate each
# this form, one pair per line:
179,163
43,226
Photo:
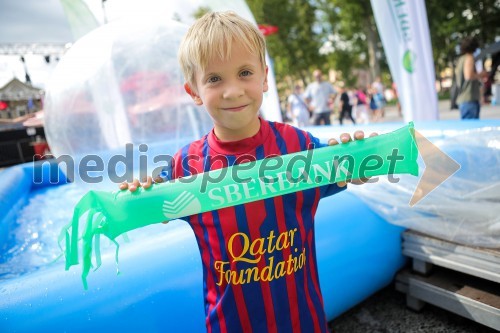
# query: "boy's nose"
232,91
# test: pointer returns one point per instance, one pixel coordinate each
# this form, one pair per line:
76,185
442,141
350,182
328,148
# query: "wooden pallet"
462,279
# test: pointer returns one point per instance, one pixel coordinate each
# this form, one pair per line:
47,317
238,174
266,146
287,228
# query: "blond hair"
212,36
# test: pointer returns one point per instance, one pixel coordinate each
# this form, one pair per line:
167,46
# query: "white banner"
404,31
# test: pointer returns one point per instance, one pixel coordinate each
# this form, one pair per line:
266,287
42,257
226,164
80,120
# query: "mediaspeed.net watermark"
119,168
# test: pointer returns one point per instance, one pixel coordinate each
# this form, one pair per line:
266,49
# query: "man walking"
318,95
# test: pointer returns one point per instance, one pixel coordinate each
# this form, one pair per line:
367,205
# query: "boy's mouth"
235,108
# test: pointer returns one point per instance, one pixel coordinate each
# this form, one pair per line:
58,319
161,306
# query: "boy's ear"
197,100
265,86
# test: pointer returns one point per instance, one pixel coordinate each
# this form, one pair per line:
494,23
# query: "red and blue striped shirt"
259,262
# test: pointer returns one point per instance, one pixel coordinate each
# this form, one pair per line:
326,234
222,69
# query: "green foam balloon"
114,213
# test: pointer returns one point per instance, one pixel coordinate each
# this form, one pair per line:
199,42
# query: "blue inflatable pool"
160,285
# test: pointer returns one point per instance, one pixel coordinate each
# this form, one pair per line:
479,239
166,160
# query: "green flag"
80,18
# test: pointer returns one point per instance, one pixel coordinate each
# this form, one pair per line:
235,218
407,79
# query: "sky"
31,21
44,21
27,21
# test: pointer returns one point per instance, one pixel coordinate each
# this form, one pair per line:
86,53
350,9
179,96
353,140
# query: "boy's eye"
213,79
246,73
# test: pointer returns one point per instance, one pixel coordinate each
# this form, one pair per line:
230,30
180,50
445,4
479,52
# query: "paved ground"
487,112
386,311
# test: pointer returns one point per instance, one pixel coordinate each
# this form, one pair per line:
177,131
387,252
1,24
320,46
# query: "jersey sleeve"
325,190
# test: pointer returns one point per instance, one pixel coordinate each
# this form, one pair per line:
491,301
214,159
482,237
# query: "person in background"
489,81
345,106
319,95
468,81
297,108
374,108
362,116
396,96
378,94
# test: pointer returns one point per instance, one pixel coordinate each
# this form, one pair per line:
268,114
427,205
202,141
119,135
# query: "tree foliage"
294,48
352,25
452,20
325,34
342,35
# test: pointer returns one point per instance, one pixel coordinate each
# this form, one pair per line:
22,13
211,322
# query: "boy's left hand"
344,138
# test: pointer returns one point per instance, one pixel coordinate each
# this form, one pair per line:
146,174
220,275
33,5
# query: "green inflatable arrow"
114,213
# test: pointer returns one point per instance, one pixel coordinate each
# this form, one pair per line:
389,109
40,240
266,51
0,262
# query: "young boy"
259,262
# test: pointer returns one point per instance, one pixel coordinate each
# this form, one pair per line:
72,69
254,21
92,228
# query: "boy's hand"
344,138
132,187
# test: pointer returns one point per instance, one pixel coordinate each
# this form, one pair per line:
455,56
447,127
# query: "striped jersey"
259,261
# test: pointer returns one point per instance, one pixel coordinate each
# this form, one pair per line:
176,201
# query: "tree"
294,49
452,20
343,35
358,43
321,34
200,11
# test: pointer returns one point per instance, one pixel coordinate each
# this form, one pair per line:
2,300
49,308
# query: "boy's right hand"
132,187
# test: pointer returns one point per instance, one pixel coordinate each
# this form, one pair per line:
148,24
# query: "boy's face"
232,93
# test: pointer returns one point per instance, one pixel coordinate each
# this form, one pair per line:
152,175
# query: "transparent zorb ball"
122,84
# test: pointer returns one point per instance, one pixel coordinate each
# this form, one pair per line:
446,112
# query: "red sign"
3,105
268,29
